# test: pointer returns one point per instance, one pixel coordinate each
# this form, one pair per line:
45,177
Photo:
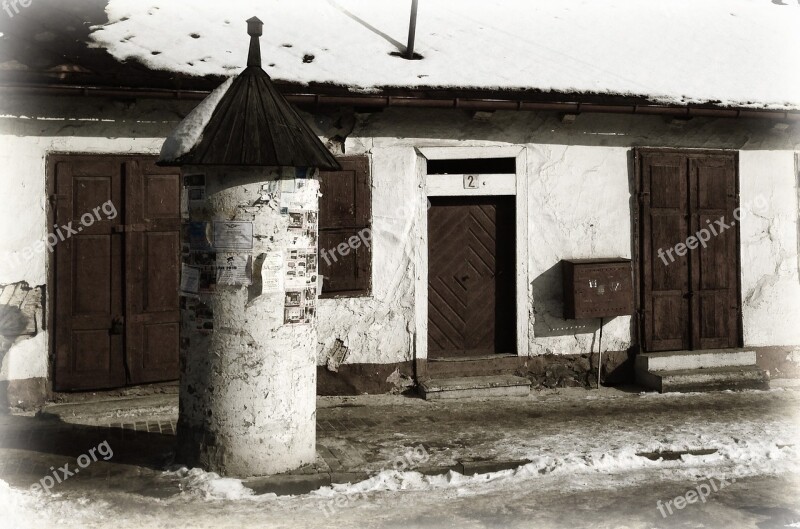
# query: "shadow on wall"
559,369
548,308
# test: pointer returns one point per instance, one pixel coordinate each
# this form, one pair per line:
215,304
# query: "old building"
515,140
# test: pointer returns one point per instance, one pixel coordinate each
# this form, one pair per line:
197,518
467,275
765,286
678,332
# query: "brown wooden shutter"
345,213
689,301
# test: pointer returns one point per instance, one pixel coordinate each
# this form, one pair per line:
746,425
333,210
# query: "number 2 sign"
472,181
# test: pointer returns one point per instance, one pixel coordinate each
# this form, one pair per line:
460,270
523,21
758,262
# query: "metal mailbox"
597,288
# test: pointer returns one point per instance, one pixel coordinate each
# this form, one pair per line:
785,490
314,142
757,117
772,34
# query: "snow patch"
211,486
741,459
190,131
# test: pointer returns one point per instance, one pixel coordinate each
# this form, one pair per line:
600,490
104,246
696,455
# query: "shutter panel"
664,224
344,213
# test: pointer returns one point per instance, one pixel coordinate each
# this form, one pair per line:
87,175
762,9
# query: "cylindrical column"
248,375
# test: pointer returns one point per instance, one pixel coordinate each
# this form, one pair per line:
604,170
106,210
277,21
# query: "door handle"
116,325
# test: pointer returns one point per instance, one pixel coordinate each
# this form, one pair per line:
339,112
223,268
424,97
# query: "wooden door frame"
518,188
638,235
49,306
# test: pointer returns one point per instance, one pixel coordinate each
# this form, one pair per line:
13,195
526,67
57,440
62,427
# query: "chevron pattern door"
471,286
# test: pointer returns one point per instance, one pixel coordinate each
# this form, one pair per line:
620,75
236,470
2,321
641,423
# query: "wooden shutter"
664,224
689,301
344,213
152,239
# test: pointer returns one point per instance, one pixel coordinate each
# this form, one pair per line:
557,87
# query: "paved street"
561,458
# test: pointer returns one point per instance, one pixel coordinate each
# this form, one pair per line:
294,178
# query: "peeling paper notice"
190,280
233,269
272,273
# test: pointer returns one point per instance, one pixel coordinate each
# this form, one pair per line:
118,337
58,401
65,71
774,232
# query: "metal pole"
412,30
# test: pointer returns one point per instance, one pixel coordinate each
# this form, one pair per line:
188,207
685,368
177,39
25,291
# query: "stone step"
708,379
682,360
486,386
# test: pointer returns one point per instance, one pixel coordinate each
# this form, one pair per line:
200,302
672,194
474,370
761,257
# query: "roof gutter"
380,101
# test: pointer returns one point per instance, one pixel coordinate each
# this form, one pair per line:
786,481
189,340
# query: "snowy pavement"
593,461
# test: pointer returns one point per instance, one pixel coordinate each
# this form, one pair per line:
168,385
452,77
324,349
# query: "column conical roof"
250,124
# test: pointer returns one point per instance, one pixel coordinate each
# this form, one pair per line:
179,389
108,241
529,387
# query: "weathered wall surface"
579,178
769,248
580,198
30,129
378,329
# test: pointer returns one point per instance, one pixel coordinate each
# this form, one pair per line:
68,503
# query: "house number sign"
473,181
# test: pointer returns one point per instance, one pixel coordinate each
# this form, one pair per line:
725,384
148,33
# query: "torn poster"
190,280
272,272
198,236
301,267
300,306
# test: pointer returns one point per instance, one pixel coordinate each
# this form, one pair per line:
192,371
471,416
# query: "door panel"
471,297
88,272
153,253
664,221
715,296
689,301
116,314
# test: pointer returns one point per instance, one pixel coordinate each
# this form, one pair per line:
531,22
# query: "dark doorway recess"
471,283
116,313
689,301
473,166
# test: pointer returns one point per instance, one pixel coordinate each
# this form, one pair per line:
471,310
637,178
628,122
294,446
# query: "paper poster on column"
190,280
272,272
233,269
233,235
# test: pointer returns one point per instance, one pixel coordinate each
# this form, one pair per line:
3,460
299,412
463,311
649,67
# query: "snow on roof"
189,132
726,52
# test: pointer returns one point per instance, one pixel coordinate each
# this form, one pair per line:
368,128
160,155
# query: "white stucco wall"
579,181
769,246
579,200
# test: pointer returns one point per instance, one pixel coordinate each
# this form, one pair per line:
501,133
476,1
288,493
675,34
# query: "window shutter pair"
345,237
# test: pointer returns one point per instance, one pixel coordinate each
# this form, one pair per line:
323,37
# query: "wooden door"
89,305
116,315
471,286
689,295
152,272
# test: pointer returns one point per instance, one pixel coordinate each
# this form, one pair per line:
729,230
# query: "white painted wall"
578,179
769,247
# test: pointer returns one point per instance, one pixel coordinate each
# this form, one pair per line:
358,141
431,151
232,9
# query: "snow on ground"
735,52
754,434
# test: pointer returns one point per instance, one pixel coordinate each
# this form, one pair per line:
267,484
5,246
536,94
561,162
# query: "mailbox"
597,288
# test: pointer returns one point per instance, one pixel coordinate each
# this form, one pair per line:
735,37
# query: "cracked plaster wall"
593,153
580,199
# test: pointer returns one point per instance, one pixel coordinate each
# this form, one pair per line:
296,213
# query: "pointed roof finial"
254,29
